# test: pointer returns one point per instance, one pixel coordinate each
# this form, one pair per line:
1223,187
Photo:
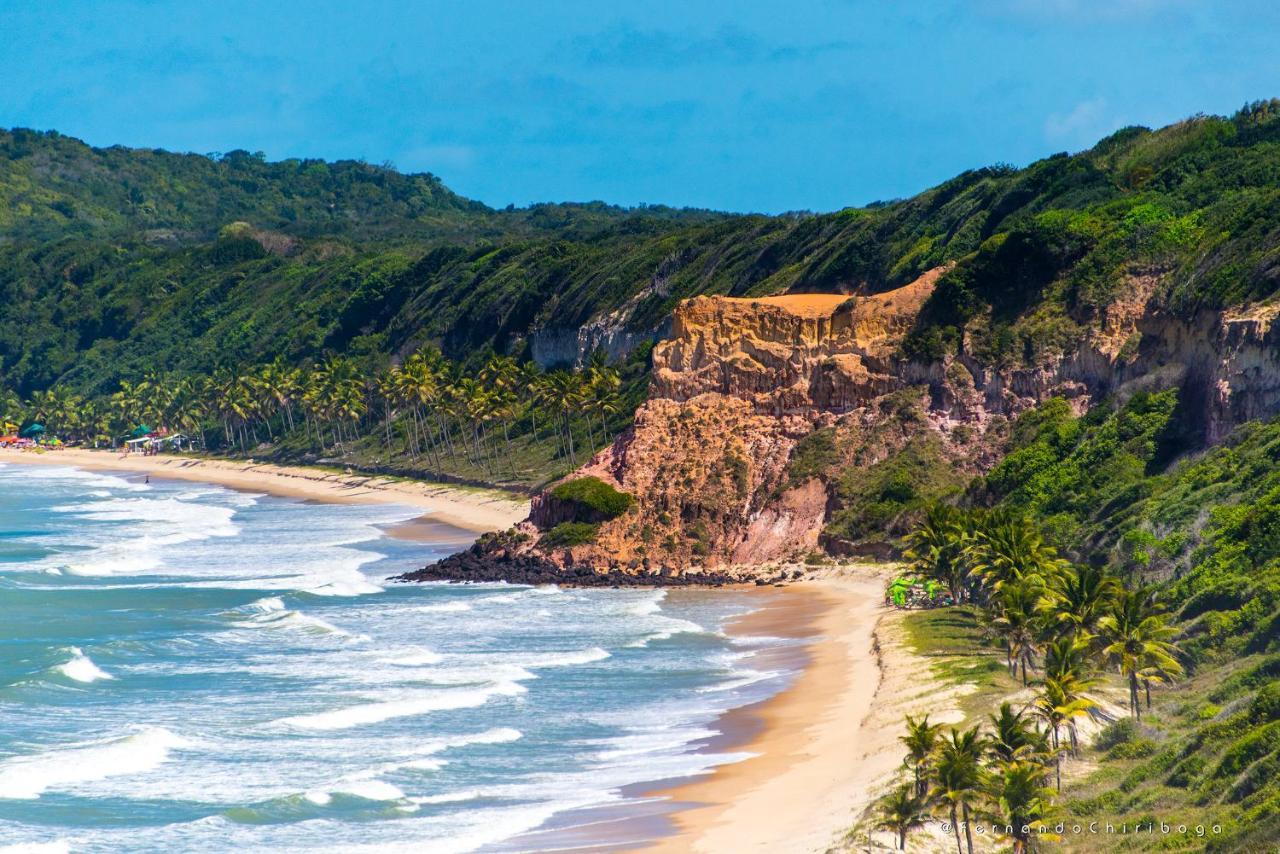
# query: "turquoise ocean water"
188,668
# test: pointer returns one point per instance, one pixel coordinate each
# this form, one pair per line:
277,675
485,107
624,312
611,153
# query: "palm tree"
529,387
921,741
1066,663
1021,800
277,384
387,387
958,778
563,393
1059,703
1016,622
1011,549
1136,638
126,403
1076,599
936,548
902,811
12,411
235,403
601,394
1013,736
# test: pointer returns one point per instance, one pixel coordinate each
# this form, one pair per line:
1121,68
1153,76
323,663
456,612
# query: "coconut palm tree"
529,388
958,778
563,393
277,384
1136,638
236,404
937,548
1009,549
1014,738
1016,621
601,393
1075,600
1020,799
12,411
902,811
1059,703
921,742
1066,663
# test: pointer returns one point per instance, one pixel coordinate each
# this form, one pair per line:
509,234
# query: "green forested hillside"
118,263
134,257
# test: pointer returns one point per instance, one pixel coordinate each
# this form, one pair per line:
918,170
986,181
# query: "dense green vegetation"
427,413
591,495
1058,626
116,263
1117,491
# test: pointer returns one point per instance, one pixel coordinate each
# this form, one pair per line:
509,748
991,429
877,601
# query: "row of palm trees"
426,408
1044,609
995,772
1058,623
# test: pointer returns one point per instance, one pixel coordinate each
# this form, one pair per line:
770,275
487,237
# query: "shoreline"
470,509
826,745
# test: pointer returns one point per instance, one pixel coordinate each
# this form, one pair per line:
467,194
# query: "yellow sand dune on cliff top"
803,305
906,299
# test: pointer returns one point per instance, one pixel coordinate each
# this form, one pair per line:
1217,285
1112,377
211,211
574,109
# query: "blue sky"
748,106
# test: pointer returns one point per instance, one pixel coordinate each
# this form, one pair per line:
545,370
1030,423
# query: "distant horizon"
835,103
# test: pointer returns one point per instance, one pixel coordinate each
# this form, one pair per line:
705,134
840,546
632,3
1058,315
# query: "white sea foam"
271,613
81,668
496,735
740,680
651,604
68,767
667,628
410,705
158,522
369,790
468,674
57,846
501,598
367,784
443,608
414,658
450,797
80,477
570,658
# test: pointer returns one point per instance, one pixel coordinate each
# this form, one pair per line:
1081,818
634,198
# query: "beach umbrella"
31,430
139,431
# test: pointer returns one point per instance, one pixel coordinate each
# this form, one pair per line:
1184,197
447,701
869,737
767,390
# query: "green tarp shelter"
139,431
31,431
898,591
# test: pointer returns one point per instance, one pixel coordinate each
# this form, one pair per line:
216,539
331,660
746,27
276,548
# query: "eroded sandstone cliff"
712,460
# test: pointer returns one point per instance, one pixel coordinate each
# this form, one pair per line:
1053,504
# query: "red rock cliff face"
736,386
741,381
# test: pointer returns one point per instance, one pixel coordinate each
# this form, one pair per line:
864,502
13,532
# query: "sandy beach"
475,510
828,745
